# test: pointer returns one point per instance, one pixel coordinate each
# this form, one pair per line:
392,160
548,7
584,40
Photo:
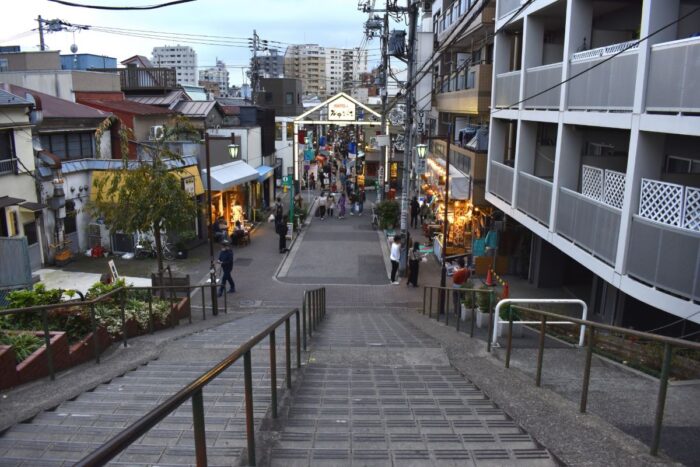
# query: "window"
7,151
682,165
278,131
4,66
289,98
69,223
70,145
30,232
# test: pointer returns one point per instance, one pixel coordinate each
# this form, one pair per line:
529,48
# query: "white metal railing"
673,77
8,166
537,79
507,88
506,6
606,186
604,51
454,14
501,181
670,204
534,196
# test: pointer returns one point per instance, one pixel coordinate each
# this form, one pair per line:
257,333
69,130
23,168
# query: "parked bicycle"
146,248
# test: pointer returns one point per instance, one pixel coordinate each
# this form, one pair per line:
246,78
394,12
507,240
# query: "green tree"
147,194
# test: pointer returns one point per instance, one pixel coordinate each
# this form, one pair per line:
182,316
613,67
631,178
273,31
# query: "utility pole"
42,45
385,95
254,70
408,135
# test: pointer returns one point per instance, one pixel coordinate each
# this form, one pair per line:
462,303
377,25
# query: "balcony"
460,10
588,223
673,77
469,162
8,166
144,79
605,87
538,79
534,197
507,6
507,89
501,181
466,92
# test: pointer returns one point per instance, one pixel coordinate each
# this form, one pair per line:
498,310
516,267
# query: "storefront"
231,193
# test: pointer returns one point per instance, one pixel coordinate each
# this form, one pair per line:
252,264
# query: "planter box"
466,313
181,310
482,319
8,370
84,350
35,366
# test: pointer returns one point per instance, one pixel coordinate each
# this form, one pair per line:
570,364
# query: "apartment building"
182,58
594,149
219,75
270,65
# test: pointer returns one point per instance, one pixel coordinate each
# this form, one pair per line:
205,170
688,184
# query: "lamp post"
210,232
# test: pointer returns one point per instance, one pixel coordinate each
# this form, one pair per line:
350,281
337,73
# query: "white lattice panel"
661,202
614,188
592,182
691,209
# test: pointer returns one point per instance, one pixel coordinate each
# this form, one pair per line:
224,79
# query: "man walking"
282,229
226,261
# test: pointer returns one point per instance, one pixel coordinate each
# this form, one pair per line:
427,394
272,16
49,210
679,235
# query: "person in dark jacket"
415,208
414,259
282,229
226,261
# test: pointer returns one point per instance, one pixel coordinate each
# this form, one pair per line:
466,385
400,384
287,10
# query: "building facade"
182,58
219,75
593,149
270,65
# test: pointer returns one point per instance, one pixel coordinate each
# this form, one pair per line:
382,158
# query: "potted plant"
388,212
507,312
485,305
181,244
468,301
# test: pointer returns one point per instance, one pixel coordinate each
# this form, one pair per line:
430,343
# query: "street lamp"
421,150
233,150
210,232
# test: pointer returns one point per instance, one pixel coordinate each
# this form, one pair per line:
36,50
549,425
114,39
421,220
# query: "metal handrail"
313,310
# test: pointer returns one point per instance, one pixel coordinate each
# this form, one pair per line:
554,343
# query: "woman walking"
322,200
413,265
330,204
341,206
395,257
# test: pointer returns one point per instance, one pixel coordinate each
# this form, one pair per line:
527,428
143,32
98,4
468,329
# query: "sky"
329,23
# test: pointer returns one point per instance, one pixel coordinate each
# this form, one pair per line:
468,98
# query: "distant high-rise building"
182,58
325,71
218,74
270,65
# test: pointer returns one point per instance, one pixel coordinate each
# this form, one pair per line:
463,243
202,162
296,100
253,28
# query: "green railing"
313,311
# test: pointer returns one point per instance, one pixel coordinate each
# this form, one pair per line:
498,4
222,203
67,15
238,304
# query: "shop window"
30,232
278,131
290,130
70,222
70,145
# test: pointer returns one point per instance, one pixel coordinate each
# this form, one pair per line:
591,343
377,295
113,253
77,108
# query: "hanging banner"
308,154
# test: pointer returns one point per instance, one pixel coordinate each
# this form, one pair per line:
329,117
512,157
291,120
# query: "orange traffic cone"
489,279
506,290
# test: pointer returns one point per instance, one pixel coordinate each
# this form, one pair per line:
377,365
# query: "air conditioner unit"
156,133
427,5
600,149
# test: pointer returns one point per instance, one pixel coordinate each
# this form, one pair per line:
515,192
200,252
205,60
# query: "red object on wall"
301,137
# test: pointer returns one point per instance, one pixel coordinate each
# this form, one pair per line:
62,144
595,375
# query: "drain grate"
368,454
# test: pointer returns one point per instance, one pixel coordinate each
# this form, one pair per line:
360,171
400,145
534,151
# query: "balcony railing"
8,166
673,77
606,186
537,80
670,204
506,6
665,257
133,79
455,13
507,89
590,224
534,196
501,181
605,87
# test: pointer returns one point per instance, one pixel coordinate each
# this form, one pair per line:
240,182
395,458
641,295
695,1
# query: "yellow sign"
394,170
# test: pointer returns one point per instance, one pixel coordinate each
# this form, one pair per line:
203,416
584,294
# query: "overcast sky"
330,23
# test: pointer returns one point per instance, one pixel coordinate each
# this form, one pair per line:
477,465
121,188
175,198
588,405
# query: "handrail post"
249,420
298,339
200,445
447,307
587,369
471,326
95,339
430,306
661,400
47,341
540,352
304,307
273,373
492,313
459,315
288,351
123,313
150,312
425,290
509,349
225,302
204,306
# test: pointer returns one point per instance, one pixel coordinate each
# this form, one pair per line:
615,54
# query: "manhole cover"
242,261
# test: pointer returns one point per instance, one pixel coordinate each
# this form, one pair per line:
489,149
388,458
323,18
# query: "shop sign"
421,166
341,109
287,181
394,170
188,185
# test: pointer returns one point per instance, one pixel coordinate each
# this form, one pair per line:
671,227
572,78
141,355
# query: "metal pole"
509,349
123,313
661,400
492,314
408,148
288,352
249,420
95,339
540,351
200,444
42,44
204,312
47,341
304,307
587,370
471,326
445,226
150,312
298,340
273,373
210,234
385,95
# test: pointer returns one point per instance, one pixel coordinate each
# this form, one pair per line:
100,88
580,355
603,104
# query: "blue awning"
264,172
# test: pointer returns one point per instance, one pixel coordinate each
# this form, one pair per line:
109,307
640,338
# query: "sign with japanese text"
341,109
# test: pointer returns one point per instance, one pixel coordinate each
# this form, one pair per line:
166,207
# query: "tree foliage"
147,194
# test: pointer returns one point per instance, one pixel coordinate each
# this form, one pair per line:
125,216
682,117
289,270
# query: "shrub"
482,299
388,212
23,343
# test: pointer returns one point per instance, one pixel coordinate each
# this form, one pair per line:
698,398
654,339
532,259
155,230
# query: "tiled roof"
196,109
53,107
10,100
131,107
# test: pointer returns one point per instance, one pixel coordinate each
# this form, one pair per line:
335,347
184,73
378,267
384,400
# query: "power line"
122,8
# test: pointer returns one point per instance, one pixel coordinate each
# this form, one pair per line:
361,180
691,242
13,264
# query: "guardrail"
592,327
314,307
120,294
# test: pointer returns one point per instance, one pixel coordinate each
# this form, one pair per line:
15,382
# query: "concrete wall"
63,83
28,61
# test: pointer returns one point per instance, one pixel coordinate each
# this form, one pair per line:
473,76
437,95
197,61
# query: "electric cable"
122,8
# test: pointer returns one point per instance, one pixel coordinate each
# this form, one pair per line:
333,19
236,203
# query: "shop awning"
231,174
460,186
264,172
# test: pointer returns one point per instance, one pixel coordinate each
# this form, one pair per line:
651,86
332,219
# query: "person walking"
459,278
415,207
361,198
341,206
312,181
282,229
330,205
425,213
226,262
413,265
352,197
298,201
395,257
322,205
